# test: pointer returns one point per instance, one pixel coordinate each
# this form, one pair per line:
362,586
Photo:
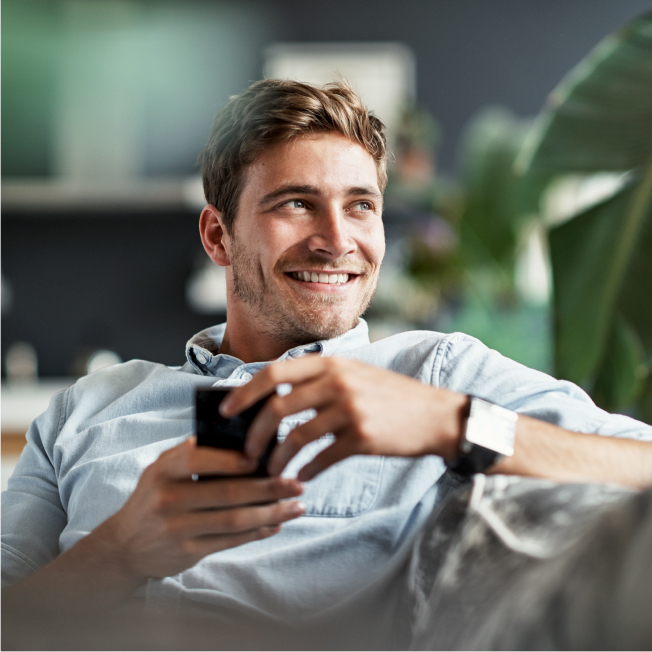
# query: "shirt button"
246,376
201,358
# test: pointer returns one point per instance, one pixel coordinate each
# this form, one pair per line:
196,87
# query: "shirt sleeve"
32,514
464,364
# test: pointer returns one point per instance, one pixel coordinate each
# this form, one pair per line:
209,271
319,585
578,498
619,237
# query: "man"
103,506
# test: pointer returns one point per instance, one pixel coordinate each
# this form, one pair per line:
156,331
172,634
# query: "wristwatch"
488,436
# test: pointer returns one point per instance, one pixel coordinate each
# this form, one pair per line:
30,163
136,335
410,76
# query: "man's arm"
377,412
547,451
168,524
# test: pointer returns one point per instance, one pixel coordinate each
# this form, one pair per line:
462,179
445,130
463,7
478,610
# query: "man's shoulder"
414,353
130,374
134,385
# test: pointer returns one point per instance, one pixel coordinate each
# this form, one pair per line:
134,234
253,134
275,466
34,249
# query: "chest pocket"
348,488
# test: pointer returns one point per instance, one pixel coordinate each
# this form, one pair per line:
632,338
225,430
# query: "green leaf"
644,405
589,256
620,381
600,119
600,115
634,300
496,199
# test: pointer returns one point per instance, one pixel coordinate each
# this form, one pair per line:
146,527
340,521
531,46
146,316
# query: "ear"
214,237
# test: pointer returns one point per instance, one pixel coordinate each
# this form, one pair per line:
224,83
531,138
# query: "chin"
327,317
312,324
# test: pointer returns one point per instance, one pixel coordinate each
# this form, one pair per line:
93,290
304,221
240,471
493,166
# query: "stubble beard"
294,322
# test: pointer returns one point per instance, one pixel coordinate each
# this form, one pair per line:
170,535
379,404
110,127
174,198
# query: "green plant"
497,202
599,119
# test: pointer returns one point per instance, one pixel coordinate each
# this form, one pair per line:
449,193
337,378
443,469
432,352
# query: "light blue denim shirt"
342,561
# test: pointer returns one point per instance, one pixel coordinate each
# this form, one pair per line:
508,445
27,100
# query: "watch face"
491,426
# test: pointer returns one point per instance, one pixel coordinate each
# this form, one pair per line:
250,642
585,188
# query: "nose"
332,237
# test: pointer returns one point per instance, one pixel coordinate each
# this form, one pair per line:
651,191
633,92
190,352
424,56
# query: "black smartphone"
212,429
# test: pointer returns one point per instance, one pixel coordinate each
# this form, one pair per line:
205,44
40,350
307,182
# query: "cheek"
270,244
259,240
372,243
284,237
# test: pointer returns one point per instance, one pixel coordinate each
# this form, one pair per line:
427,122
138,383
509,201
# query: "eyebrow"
311,190
288,190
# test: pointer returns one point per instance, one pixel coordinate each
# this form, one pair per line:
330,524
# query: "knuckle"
168,527
342,383
350,408
233,521
161,501
277,486
333,363
280,511
188,548
276,407
154,473
273,372
188,462
297,437
229,492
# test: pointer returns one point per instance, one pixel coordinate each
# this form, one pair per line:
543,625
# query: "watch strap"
477,460
488,436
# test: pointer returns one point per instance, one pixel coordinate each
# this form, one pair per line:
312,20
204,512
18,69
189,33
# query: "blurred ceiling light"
100,359
193,193
21,363
206,288
384,74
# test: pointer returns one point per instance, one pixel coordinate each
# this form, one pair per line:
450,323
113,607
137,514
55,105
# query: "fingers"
266,381
336,452
188,459
212,494
315,394
237,520
330,420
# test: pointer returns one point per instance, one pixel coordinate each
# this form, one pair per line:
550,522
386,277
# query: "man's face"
308,239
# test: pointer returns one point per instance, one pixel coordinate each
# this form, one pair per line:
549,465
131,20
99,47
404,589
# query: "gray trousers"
503,563
516,563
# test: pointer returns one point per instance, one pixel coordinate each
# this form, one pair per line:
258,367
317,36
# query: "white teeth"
314,277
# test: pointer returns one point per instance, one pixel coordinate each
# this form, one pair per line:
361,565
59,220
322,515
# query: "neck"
251,345
249,339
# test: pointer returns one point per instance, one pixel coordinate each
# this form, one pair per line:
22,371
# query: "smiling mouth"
315,277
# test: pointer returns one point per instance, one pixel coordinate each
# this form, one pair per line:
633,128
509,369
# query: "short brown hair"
272,111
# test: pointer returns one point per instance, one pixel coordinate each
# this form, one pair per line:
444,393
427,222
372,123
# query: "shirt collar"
202,350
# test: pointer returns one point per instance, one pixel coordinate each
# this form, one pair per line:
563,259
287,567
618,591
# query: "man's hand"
168,524
370,411
376,412
171,522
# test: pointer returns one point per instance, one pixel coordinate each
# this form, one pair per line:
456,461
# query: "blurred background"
106,104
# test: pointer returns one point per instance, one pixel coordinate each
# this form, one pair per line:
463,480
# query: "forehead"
327,161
